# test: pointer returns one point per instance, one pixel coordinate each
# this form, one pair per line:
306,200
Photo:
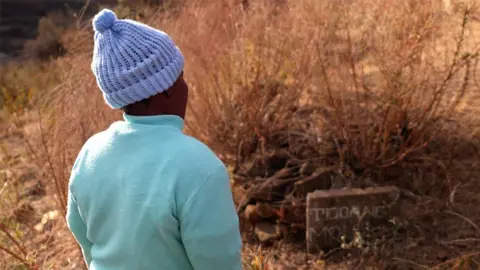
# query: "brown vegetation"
291,95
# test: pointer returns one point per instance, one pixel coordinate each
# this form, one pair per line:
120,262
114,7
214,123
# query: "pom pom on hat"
104,20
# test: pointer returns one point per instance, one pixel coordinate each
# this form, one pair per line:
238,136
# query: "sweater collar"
157,120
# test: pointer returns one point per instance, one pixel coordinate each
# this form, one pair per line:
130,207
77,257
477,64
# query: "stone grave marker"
334,213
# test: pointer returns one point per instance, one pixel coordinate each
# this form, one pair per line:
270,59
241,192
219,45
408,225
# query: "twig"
20,259
452,194
462,217
460,241
4,230
331,252
410,194
61,201
468,255
411,262
238,158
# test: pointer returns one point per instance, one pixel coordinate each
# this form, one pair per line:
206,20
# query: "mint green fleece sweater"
143,196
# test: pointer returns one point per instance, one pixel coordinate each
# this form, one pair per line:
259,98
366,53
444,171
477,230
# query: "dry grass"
371,88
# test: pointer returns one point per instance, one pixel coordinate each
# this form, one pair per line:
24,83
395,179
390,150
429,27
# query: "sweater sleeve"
209,225
78,228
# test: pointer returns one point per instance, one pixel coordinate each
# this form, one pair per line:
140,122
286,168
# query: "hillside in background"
19,19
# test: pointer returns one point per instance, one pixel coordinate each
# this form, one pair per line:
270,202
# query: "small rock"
442,255
267,232
265,210
239,194
46,224
251,213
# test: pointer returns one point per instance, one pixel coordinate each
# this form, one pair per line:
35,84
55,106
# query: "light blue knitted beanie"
132,61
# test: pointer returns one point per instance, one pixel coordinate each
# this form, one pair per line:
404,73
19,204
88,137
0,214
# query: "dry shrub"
365,79
47,43
248,87
21,82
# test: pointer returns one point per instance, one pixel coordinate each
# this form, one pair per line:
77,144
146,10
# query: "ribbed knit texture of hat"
132,61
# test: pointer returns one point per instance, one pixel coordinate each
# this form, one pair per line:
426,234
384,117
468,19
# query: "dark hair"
145,102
